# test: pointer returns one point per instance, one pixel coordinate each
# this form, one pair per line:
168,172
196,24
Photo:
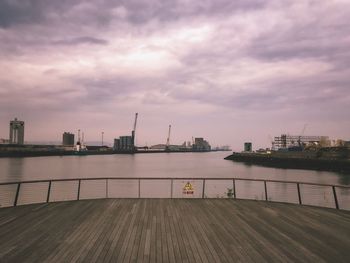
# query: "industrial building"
248,147
16,132
201,145
126,143
286,141
68,139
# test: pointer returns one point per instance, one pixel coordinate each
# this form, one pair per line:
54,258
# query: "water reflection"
15,168
187,165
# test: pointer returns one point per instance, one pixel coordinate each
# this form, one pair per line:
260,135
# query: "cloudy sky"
229,71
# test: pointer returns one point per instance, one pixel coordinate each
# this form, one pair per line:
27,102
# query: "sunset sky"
228,71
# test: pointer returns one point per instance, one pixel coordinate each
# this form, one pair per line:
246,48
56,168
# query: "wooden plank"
120,216
130,234
67,221
173,230
145,222
121,237
83,241
197,248
170,216
165,254
153,238
116,235
159,243
181,239
97,245
170,241
29,239
186,239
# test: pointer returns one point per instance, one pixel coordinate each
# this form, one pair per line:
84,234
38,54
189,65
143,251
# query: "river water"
188,165
163,165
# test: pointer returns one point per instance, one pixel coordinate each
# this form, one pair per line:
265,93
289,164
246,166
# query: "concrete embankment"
297,160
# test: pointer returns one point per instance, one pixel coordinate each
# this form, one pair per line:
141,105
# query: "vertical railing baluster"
234,188
335,197
203,188
299,195
171,190
265,190
139,188
78,195
17,194
48,192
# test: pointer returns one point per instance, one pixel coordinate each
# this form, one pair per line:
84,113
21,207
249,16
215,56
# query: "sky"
228,71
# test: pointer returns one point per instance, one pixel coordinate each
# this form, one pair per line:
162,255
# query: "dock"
173,230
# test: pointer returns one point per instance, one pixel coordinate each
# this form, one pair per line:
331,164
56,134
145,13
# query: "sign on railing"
41,191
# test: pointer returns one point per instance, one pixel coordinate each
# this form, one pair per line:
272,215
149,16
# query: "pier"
173,230
173,220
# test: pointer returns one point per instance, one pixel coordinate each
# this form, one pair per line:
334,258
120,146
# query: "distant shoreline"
292,161
25,152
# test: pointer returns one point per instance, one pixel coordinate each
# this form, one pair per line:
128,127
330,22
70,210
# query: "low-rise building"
201,145
68,139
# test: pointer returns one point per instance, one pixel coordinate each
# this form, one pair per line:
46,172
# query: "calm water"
152,165
184,165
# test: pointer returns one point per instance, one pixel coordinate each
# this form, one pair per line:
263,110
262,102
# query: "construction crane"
133,133
301,134
167,147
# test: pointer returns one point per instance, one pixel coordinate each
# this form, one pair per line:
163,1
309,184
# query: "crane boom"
168,139
133,132
136,114
301,134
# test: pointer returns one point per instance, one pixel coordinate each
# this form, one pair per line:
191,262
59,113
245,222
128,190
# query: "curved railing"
41,191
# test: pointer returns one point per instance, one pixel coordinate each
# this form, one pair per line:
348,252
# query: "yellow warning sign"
188,189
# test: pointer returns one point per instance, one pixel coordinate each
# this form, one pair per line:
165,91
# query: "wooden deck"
173,230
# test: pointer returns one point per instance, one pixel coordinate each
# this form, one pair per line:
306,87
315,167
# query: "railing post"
299,196
78,196
17,194
203,188
335,197
139,188
48,193
265,190
106,188
234,188
171,190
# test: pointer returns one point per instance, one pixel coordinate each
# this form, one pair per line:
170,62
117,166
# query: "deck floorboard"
173,230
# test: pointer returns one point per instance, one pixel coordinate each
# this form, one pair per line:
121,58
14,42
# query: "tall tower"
16,132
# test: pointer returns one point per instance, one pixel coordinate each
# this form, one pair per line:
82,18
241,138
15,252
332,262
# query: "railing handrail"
172,178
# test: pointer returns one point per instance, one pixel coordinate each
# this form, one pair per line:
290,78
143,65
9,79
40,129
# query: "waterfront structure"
210,231
16,132
160,147
116,144
213,217
4,141
68,139
124,143
287,141
201,145
248,147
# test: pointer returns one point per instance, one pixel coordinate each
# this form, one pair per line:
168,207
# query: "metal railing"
303,193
